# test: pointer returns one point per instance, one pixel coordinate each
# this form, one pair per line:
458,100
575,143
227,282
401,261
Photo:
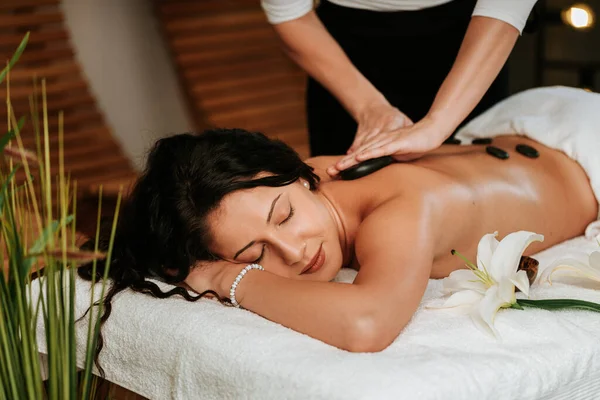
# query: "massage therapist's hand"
213,275
375,119
403,144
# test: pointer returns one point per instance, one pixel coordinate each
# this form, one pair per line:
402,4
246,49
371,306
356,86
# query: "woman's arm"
367,315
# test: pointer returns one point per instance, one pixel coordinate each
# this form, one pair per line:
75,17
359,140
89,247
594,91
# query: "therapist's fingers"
367,138
395,122
407,122
377,149
374,152
353,159
397,148
346,162
373,143
361,136
375,120
333,171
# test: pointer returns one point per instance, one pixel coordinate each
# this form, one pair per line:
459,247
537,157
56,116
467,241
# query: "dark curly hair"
162,231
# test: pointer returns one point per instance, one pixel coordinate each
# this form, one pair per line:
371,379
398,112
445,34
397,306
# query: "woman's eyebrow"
268,220
273,207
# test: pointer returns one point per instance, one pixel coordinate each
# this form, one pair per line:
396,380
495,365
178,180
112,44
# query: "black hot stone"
365,168
527,151
496,152
482,141
452,141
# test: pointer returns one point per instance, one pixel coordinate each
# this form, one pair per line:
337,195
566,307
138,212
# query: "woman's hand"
375,119
213,275
403,144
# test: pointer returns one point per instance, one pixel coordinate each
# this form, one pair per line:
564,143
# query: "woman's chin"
327,273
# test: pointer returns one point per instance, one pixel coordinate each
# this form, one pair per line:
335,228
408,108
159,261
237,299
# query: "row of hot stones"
497,152
369,166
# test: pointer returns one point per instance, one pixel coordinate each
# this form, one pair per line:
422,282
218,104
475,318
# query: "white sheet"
173,349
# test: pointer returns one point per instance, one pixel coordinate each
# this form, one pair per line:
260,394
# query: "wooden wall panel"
233,70
92,155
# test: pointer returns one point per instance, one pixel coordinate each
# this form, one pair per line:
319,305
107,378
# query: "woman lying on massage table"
209,205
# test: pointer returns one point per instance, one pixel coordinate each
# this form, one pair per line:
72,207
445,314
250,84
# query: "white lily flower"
590,270
490,285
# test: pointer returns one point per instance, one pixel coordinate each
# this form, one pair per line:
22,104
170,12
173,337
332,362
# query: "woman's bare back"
475,193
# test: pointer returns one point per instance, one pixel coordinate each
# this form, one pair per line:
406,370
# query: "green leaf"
15,57
556,304
11,134
4,189
40,243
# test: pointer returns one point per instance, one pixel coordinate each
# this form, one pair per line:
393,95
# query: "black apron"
406,55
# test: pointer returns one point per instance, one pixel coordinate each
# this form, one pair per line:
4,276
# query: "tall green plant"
38,238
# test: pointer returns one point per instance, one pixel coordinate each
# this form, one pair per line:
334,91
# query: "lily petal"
482,325
466,298
506,291
463,279
573,265
521,281
485,249
488,307
505,259
595,260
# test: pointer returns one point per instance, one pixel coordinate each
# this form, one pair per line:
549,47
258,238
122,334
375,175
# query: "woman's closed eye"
290,215
262,253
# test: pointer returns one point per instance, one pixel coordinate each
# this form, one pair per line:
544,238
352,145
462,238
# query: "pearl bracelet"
237,281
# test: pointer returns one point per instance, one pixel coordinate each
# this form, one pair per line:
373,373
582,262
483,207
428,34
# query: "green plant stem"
15,56
556,304
54,305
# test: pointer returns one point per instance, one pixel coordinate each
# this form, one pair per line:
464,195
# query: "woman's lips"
316,263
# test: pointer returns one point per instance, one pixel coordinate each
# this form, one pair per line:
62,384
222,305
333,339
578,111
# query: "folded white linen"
174,349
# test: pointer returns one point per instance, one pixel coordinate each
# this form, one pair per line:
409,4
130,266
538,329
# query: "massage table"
175,349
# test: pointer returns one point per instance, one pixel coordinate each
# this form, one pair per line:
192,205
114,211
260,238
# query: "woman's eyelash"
289,216
262,253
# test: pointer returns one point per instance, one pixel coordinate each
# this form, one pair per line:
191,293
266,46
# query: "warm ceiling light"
579,16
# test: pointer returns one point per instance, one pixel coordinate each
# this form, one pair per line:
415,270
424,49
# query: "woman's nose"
292,250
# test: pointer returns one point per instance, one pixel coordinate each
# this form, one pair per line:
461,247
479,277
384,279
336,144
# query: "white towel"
560,117
173,349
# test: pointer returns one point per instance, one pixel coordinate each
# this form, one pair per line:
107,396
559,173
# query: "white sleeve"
514,12
279,11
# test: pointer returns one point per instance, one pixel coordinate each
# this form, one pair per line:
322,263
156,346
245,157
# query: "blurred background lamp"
579,16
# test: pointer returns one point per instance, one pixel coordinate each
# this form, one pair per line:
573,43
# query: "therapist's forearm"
309,44
484,51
